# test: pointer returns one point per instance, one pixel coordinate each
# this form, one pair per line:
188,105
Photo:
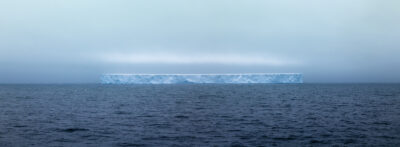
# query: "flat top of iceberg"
211,74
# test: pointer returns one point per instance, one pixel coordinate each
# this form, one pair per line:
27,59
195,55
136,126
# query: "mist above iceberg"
201,78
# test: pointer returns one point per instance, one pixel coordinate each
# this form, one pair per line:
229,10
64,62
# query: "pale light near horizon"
223,59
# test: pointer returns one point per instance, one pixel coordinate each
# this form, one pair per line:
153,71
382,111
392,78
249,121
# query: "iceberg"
201,78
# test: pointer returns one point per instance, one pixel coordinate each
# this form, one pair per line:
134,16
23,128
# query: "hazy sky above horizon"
76,41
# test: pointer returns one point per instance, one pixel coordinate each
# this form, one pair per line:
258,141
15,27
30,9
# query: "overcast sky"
75,41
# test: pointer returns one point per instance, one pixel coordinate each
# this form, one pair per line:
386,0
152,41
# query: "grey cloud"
336,41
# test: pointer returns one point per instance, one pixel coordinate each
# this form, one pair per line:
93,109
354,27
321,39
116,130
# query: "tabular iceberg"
201,78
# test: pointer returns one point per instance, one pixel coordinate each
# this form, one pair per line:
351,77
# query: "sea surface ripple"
200,115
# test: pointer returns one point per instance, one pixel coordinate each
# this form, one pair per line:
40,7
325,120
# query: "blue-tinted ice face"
201,78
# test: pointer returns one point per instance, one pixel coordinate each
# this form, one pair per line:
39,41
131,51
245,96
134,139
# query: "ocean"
200,115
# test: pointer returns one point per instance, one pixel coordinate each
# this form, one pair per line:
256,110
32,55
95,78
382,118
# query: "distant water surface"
200,115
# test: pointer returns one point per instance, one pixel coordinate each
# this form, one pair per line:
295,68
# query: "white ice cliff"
201,78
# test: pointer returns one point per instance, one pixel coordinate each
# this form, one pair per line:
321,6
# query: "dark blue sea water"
200,115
